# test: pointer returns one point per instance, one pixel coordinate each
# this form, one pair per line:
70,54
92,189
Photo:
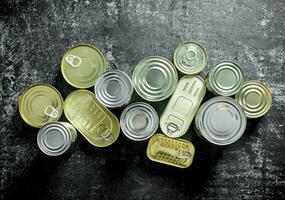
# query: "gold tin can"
94,121
170,151
40,104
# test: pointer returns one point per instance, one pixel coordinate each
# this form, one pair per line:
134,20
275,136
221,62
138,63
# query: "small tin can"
139,121
94,121
155,78
255,98
39,104
170,151
225,78
182,106
190,57
114,89
56,138
81,65
220,120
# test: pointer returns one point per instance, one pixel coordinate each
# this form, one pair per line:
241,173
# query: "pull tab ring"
192,53
172,128
51,112
183,154
106,134
71,59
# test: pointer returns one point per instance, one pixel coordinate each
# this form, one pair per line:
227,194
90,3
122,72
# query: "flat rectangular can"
170,151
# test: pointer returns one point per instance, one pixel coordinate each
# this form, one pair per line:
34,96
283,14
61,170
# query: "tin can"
81,65
139,121
190,57
183,105
225,78
94,121
56,138
39,104
255,98
170,151
155,78
114,89
220,120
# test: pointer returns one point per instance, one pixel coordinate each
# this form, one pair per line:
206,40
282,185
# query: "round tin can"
190,57
255,98
39,104
220,120
56,138
114,89
225,78
81,65
139,121
155,78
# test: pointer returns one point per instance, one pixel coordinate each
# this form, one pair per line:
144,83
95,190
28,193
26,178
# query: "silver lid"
139,121
54,139
221,120
114,89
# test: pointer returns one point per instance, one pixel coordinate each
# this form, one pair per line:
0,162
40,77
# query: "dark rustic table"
34,35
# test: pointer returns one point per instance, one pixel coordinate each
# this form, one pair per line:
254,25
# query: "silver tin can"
139,121
220,120
56,138
114,89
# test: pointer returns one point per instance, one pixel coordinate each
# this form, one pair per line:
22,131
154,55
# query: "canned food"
114,89
225,78
155,78
39,104
170,151
182,106
81,65
220,120
56,138
139,121
255,98
190,57
94,121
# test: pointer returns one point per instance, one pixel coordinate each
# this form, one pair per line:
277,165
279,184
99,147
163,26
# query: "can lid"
81,65
226,78
155,78
114,88
39,104
54,139
139,121
190,57
255,98
221,120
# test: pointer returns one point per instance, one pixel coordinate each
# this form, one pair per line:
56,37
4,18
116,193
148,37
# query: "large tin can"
190,57
170,151
94,121
154,78
255,98
220,120
81,65
182,106
139,121
57,138
114,89
225,78
39,104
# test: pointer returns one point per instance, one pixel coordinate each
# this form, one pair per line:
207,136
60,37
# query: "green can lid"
81,65
226,78
190,57
255,98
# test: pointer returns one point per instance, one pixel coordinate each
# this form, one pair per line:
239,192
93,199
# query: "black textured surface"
35,34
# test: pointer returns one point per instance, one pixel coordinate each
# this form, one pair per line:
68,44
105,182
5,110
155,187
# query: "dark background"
35,34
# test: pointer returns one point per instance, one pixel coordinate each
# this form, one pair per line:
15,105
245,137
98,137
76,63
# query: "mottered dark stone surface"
34,35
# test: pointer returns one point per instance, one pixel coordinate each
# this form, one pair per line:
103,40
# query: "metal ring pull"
192,53
72,59
183,154
51,112
106,134
172,128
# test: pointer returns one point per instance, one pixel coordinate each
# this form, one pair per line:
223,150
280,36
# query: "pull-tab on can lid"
221,120
39,104
190,57
155,78
81,65
255,98
139,121
114,89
